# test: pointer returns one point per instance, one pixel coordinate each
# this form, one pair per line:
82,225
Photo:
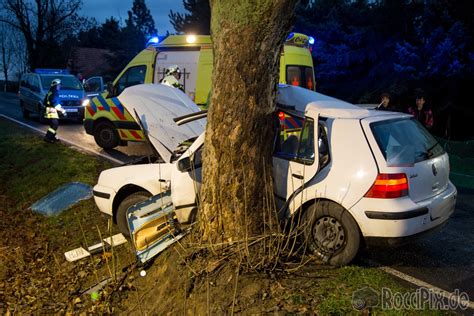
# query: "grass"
31,168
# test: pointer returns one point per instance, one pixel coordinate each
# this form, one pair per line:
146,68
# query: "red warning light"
281,116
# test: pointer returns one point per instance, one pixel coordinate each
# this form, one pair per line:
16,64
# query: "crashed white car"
353,173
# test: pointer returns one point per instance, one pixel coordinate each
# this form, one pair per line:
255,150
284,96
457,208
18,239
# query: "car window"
67,82
404,142
133,76
24,81
34,83
295,138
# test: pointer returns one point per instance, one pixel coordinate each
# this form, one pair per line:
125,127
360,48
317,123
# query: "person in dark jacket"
52,104
421,112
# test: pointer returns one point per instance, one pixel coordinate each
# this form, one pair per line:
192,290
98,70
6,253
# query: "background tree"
44,24
197,20
6,51
247,38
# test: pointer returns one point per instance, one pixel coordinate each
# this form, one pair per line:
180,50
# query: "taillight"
389,186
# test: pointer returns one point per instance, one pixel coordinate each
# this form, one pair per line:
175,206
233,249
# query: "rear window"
67,82
300,76
404,142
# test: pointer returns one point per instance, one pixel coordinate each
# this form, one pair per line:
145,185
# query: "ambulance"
112,125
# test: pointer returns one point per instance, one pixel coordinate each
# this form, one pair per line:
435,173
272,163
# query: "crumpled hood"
156,105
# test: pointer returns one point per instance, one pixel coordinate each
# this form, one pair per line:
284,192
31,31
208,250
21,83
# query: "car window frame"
296,159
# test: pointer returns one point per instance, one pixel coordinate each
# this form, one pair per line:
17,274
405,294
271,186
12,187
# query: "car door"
94,86
153,226
295,159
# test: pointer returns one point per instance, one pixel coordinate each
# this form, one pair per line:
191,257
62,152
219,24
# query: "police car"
354,174
35,86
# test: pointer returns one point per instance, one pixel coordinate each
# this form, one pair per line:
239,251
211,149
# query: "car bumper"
74,112
405,218
104,197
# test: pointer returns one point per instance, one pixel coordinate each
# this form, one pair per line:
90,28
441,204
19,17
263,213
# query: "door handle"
298,176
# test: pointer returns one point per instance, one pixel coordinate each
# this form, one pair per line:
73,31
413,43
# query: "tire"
105,135
121,215
24,112
331,233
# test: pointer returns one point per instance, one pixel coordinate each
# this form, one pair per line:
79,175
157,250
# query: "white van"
354,173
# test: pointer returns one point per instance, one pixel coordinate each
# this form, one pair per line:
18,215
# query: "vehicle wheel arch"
125,191
300,214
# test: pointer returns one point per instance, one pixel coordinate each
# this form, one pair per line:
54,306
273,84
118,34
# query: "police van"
35,86
112,125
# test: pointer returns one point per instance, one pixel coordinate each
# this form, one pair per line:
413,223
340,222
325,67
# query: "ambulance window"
293,75
133,76
309,80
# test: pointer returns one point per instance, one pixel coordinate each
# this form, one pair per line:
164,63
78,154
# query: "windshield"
404,142
67,82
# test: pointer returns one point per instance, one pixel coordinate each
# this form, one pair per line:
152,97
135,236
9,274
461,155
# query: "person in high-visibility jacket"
173,74
52,105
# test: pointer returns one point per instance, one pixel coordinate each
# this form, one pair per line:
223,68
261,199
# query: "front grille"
71,102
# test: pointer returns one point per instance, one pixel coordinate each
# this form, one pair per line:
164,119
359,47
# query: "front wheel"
121,215
331,233
105,135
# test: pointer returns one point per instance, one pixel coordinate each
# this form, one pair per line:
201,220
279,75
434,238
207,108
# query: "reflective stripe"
103,102
51,130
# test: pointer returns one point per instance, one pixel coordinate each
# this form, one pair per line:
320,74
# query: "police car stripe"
103,103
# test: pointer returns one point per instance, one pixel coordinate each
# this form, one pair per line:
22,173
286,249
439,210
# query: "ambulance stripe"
122,134
135,134
117,112
103,103
90,110
118,104
93,105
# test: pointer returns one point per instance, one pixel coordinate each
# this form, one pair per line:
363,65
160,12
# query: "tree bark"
247,39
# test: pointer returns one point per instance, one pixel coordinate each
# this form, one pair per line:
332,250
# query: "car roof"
311,103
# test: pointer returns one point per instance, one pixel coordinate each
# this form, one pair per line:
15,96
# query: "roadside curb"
87,150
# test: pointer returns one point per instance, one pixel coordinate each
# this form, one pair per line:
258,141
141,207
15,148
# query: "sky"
102,9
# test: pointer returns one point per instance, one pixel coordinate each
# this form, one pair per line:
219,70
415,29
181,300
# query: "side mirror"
184,165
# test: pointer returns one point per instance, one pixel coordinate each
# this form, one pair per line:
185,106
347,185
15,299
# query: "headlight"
85,102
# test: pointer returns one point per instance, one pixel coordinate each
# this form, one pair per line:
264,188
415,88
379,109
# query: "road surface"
73,132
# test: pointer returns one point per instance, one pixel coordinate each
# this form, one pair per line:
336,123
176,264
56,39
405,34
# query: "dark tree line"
364,48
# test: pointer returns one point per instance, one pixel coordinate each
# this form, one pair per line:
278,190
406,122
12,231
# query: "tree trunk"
247,38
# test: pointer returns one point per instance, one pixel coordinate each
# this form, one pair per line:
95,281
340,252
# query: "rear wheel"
121,216
106,135
25,113
331,233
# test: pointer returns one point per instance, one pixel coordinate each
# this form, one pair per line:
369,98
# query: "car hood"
156,105
71,94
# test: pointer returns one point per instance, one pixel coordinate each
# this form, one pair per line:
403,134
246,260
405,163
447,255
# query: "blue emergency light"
153,40
311,40
45,71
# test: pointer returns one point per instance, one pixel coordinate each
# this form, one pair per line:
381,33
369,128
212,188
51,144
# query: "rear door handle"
298,176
